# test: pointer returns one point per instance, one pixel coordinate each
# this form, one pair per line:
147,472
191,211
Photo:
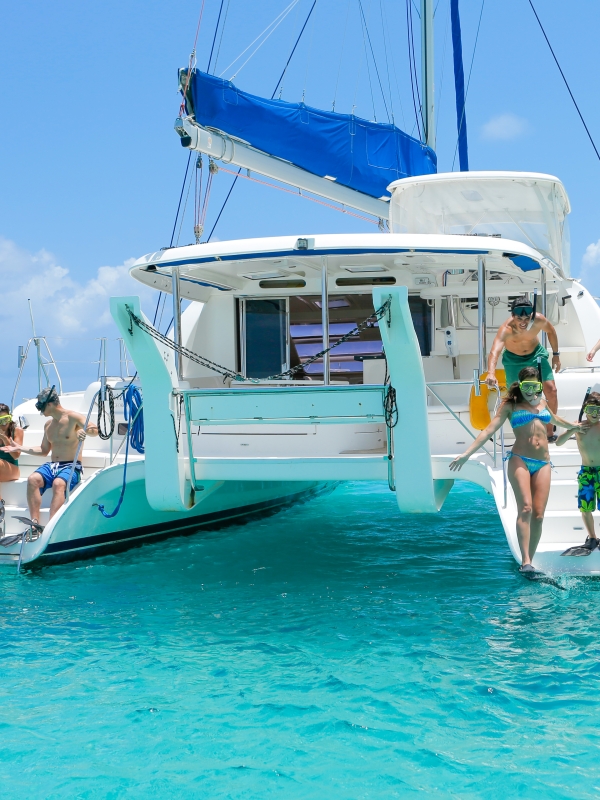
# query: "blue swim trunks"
59,469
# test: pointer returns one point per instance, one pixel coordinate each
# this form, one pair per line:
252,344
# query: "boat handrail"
577,369
456,417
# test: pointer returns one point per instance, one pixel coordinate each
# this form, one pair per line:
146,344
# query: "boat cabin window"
265,337
269,346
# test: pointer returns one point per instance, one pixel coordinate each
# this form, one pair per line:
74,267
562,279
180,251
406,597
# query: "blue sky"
91,167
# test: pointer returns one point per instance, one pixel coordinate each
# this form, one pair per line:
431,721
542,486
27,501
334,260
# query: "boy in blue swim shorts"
588,479
63,434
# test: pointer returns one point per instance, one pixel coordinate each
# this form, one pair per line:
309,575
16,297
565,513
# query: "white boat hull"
79,530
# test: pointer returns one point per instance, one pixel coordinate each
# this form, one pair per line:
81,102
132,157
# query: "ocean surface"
336,650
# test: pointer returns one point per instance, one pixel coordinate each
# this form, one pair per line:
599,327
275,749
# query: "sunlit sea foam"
336,650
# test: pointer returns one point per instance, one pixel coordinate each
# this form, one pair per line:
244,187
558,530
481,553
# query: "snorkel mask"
531,387
522,311
44,397
591,411
5,419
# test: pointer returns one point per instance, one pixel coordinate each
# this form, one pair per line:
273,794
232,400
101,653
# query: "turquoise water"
336,650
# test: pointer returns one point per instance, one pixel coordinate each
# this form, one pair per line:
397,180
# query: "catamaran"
302,361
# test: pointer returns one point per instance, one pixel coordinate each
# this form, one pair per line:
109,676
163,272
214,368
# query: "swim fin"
582,549
8,540
35,526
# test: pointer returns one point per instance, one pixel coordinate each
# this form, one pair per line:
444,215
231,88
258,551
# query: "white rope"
277,21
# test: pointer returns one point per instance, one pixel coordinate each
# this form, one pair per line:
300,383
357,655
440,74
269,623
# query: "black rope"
228,373
390,408
103,432
215,36
564,79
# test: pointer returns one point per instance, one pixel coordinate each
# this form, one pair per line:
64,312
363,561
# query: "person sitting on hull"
9,462
62,434
518,337
529,464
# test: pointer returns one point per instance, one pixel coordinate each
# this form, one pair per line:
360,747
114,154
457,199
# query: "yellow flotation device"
479,407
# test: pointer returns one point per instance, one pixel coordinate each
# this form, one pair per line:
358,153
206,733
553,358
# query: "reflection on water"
336,649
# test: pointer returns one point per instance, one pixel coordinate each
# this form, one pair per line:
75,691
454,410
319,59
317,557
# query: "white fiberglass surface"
525,209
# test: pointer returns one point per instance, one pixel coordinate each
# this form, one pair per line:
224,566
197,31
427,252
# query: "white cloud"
505,127
61,304
591,257
590,267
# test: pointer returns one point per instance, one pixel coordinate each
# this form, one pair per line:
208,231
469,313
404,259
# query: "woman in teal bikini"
529,461
9,464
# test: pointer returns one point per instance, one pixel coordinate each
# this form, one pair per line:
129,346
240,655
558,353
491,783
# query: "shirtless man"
588,479
62,434
518,337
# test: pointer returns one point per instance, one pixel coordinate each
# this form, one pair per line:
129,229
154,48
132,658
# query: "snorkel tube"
583,405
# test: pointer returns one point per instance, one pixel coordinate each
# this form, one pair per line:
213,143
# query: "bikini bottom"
532,464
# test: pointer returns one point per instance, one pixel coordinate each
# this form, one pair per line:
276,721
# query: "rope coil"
103,432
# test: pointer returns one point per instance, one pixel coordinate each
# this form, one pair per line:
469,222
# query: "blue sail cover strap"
365,156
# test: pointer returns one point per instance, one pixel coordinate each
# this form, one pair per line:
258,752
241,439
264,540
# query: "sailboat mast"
427,72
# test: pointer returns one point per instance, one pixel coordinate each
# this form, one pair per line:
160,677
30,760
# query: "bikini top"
522,417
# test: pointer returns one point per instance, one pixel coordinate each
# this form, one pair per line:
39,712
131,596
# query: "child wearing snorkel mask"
529,460
9,462
588,479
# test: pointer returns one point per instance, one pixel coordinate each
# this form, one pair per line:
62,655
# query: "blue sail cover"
365,156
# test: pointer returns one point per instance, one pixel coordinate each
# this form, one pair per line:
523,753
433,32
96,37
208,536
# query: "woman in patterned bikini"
529,464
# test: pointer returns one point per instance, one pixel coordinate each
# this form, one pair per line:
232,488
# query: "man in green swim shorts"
518,338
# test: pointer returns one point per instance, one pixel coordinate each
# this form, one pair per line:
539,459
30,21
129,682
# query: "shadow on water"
336,648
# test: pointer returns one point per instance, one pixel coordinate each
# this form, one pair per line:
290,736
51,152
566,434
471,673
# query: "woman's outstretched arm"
495,424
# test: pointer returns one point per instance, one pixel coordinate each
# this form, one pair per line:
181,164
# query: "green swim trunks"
588,482
514,364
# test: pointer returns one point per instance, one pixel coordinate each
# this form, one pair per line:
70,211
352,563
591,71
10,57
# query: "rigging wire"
387,63
240,169
287,63
341,56
192,62
221,36
308,54
362,28
397,86
215,36
180,198
293,29
564,79
187,197
299,193
276,22
462,116
413,76
374,61
439,101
